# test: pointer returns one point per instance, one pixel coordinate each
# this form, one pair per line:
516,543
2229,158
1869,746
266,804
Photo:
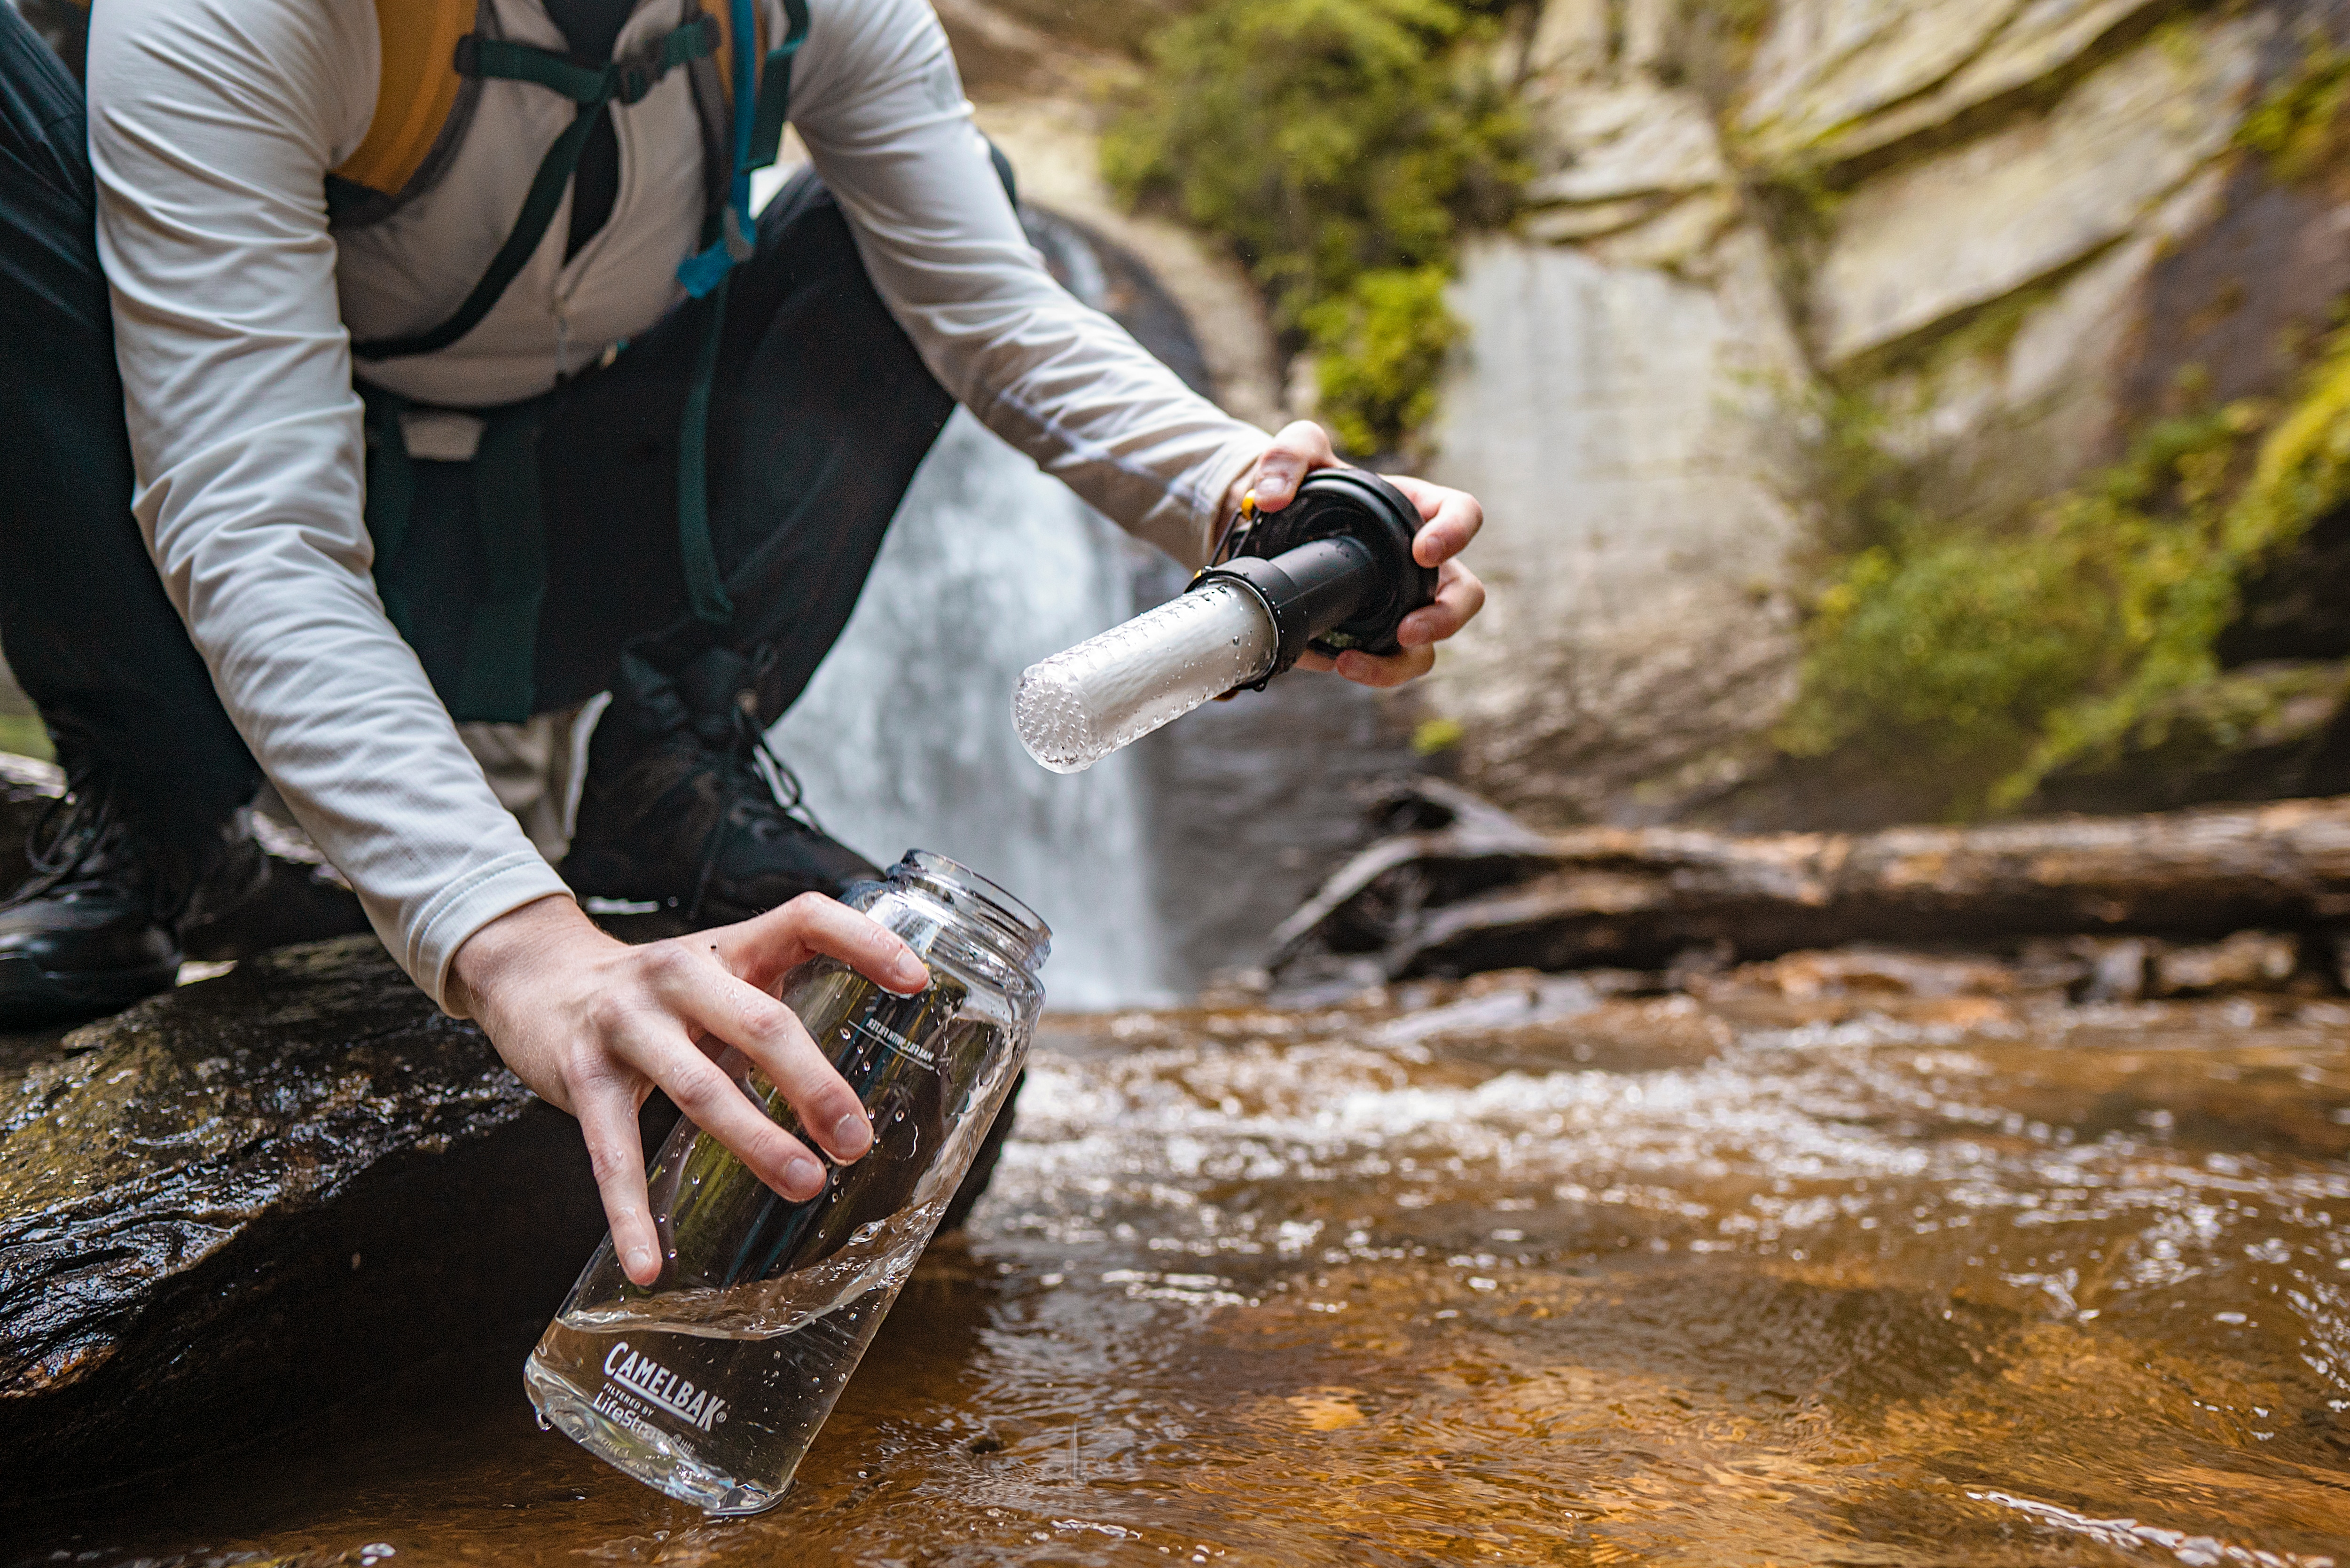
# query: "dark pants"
821,411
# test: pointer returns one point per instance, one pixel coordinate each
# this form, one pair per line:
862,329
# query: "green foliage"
1959,645
1338,145
2301,126
1999,656
26,736
1378,349
1432,737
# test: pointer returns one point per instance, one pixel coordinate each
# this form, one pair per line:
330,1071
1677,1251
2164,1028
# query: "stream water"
1521,1273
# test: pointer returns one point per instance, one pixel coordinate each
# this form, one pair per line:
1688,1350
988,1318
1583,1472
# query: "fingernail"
642,1264
909,971
852,1135
802,1175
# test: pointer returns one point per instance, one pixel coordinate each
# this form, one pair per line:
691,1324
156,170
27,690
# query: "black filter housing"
1334,566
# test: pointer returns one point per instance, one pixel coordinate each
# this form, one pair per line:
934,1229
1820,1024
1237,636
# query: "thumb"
1297,451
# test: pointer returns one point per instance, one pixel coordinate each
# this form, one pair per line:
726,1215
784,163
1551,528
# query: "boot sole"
32,997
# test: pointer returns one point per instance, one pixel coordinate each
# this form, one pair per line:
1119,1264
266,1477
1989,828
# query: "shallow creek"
1523,1274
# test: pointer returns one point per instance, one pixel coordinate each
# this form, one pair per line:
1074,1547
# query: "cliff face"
2014,232
1793,280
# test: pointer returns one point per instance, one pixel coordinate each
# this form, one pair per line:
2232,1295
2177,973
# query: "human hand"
591,1025
1448,520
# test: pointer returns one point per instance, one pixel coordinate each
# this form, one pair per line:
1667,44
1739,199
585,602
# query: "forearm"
211,130
889,132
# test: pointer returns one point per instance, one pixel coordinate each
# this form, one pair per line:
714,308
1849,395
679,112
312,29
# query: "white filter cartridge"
1076,708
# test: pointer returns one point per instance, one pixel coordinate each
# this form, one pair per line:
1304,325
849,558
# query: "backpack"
433,63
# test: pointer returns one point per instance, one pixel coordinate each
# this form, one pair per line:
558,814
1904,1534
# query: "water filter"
1331,571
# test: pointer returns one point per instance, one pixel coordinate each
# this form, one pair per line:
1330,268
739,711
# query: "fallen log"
1476,894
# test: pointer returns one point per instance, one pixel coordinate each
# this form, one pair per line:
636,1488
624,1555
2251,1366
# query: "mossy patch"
1338,146
2301,126
2000,652
25,736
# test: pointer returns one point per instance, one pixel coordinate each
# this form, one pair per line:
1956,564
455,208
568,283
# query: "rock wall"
2009,231
2012,228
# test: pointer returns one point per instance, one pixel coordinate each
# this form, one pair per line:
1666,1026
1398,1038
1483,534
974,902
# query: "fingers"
705,994
1369,669
608,1121
1450,519
713,1102
1297,451
763,948
1458,596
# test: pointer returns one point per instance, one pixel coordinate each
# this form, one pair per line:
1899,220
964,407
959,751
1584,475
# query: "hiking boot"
686,809
96,925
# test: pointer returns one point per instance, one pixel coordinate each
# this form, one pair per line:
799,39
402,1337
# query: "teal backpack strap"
498,680
589,87
498,676
763,98
761,107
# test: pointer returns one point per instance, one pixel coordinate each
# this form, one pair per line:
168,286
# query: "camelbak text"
658,1387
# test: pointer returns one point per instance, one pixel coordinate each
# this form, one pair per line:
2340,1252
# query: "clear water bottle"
711,1384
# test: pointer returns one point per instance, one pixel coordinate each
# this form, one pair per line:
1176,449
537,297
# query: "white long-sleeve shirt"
212,124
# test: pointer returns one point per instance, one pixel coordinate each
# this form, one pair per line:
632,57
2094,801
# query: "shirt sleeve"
882,113
212,126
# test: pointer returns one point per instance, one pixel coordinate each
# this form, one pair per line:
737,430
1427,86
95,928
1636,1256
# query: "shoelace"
64,836
751,751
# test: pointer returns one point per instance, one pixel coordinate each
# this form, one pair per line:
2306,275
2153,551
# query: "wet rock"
1871,970
2094,968
257,1196
2129,969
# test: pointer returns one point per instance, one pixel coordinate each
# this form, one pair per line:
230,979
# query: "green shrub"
1379,349
1336,145
1999,656
2301,126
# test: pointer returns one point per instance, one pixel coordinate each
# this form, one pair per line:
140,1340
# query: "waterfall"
905,738
1161,864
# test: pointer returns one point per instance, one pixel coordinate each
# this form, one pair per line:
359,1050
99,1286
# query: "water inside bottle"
702,1409
710,1385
